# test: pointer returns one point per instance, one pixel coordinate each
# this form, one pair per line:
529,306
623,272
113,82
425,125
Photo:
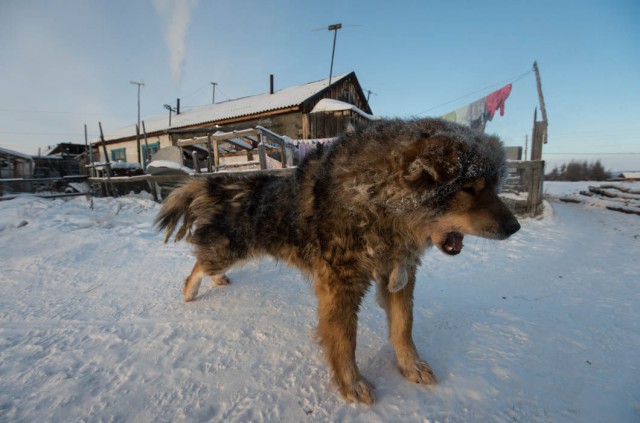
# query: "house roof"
246,106
631,175
331,105
8,152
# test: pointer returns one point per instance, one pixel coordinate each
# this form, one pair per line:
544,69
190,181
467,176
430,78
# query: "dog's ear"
432,160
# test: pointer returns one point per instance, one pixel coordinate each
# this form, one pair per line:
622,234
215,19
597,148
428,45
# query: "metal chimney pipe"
178,107
271,84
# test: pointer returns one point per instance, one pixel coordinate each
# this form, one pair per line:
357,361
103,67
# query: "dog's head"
457,174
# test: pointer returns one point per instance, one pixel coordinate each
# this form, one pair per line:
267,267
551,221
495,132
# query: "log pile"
616,198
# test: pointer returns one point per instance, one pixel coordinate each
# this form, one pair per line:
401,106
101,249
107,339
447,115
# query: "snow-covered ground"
544,327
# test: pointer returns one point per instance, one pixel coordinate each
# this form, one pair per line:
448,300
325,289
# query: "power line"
197,91
42,133
512,80
222,92
61,112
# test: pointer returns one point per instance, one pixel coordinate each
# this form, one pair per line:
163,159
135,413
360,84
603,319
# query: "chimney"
178,107
271,84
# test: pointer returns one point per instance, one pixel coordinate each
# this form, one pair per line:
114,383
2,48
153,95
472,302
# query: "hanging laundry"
476,109
308,146
451,116
495,101
476,115
462,115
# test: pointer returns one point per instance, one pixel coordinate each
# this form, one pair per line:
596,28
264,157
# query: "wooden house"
61,160
14,164
289,111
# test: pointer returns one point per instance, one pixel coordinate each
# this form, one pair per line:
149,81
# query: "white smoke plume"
177,16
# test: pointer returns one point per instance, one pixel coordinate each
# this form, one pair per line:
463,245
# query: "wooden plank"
262,153
144,131
619,188
623,210
218,137
210,164
216,153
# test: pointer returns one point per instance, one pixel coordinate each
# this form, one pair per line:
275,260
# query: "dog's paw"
360,391
419,372
220,280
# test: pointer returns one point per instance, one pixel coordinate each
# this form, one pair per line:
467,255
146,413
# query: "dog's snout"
511,226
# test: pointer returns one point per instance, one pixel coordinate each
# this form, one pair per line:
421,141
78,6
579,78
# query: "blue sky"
67,63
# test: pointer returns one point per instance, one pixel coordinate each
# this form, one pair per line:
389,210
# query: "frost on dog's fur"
363,210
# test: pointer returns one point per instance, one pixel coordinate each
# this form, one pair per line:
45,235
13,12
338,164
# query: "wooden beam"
543,109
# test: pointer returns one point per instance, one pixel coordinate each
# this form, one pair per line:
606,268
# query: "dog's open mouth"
453,243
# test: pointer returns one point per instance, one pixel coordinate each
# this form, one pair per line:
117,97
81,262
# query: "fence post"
196,164
262,153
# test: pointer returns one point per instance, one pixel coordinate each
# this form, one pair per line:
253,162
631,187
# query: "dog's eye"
469,190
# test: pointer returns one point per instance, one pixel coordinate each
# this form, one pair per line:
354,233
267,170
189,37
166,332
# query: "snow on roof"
631,175
331,105
16,153
286,97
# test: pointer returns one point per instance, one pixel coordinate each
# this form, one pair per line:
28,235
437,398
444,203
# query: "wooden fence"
40,186
159,185
523,190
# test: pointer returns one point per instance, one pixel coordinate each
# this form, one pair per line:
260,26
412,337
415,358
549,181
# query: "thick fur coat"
362,210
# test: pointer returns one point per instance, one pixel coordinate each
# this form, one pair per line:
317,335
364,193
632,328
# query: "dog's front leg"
338,304
399,308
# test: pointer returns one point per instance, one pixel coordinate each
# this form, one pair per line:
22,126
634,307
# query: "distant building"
64,159
14,164
289,111
513,153
631,175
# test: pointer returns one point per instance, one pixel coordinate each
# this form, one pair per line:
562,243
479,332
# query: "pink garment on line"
496,100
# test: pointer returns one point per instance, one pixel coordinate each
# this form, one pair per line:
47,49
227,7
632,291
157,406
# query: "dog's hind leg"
220,279
209,262
399,308
338,304
192,283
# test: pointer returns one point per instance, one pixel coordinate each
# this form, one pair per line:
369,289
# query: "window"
119,154
147,156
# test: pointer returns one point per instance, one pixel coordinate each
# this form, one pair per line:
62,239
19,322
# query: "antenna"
369,92
139,84
334,28
170,109
213,98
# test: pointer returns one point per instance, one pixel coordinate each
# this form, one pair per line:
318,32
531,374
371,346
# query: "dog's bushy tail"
176,212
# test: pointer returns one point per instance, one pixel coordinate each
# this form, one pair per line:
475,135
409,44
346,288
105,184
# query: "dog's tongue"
453,243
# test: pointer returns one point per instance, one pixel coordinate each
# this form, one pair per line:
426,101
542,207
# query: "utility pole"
139,84
543,109
170,109
334,28
213,98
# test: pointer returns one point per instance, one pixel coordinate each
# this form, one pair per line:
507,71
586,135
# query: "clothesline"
511,80
478,113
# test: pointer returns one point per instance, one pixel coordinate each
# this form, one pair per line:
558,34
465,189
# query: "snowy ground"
544,327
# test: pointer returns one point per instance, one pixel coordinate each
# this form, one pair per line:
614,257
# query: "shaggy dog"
364,209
